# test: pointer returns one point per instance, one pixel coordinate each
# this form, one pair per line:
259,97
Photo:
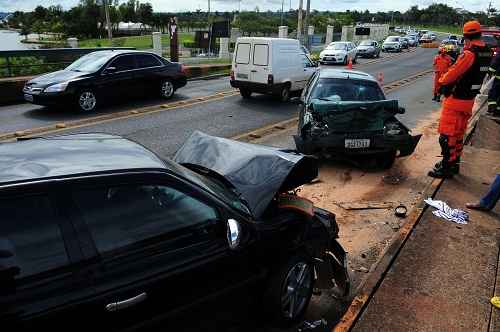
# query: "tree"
145,13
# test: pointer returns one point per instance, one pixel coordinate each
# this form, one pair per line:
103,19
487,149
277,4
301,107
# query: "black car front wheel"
167,89
87,100
386,160
290,290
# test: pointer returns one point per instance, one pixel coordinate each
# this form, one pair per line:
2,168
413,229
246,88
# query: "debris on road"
365,205
393,179
307,326
400,211
444,211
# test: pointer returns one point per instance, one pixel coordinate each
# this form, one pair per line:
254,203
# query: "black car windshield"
335,89
367,43
339,46
90,63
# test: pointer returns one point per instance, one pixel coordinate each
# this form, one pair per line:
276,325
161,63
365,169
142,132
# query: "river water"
11,40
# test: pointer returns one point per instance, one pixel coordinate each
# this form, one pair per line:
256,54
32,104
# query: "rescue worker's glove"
446,90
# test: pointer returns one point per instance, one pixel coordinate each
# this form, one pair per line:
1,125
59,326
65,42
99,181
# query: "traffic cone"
349,64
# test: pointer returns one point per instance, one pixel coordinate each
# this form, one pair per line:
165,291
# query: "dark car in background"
369,49
344,113
101,234
104,76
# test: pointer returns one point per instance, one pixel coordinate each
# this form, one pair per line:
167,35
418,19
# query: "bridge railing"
33,62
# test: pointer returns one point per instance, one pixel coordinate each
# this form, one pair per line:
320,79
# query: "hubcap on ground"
296,289
167,89
87,101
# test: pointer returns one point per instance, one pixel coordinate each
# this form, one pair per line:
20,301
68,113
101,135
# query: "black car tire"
386,160
86,100
167,89
355,60
345,61
284,95
288,282
245,93
378,54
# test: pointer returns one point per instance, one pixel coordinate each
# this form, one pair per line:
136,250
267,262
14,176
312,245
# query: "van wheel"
245,93
285,94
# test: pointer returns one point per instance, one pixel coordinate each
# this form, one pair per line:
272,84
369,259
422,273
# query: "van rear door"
241,66
260,63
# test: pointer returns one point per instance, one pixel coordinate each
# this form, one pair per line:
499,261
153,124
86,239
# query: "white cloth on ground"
445,212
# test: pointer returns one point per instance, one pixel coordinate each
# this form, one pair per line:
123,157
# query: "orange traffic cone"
349,64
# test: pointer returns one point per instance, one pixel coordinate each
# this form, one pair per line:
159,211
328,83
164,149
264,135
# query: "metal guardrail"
49,57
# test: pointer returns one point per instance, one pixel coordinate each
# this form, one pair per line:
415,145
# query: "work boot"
454,168
441,172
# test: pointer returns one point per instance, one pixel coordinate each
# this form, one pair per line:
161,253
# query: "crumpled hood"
352,116
257,172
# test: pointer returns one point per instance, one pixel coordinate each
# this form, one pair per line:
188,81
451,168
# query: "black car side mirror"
401,110
110,70
8,266
296,101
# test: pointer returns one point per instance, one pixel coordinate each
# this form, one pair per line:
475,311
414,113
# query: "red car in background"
491,37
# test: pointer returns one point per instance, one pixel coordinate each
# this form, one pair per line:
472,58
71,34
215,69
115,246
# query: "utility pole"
108,23
282,4
306,23
299,23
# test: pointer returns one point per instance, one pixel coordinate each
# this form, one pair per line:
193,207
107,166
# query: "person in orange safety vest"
460,85
442,62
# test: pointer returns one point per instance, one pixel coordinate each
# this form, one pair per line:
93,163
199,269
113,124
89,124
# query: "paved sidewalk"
446,273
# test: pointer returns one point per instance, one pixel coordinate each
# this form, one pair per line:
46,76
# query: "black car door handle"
253,71
115,306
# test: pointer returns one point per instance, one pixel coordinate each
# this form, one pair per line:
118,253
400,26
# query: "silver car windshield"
392,39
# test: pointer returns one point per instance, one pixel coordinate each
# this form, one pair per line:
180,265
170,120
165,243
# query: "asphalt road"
165,131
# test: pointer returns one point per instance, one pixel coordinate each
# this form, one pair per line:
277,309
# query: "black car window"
28,229
346,90
147,60
124,62
129,214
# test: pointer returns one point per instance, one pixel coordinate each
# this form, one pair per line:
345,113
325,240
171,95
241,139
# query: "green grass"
139,42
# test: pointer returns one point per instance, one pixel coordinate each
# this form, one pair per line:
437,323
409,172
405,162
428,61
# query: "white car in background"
392,44
338,52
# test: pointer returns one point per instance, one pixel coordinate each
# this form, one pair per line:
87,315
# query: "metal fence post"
9,71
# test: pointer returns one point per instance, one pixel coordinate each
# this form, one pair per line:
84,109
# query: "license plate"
240,75
357,143
28,97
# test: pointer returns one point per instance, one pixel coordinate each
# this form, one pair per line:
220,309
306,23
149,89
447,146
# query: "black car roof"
67,155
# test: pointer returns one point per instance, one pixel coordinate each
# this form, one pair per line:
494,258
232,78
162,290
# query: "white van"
270,65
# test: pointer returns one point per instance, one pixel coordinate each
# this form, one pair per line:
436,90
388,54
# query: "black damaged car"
100,233
345,113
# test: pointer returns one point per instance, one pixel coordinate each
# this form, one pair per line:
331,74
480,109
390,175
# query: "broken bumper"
335,143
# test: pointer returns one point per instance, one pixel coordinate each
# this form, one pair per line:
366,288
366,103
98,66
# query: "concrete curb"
11,89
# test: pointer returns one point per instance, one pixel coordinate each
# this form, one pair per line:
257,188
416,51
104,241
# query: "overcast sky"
230,5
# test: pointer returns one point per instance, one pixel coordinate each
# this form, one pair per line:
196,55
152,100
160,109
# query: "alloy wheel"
296,290
87,101
167,89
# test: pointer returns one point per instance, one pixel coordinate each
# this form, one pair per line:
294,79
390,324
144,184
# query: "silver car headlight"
59,87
